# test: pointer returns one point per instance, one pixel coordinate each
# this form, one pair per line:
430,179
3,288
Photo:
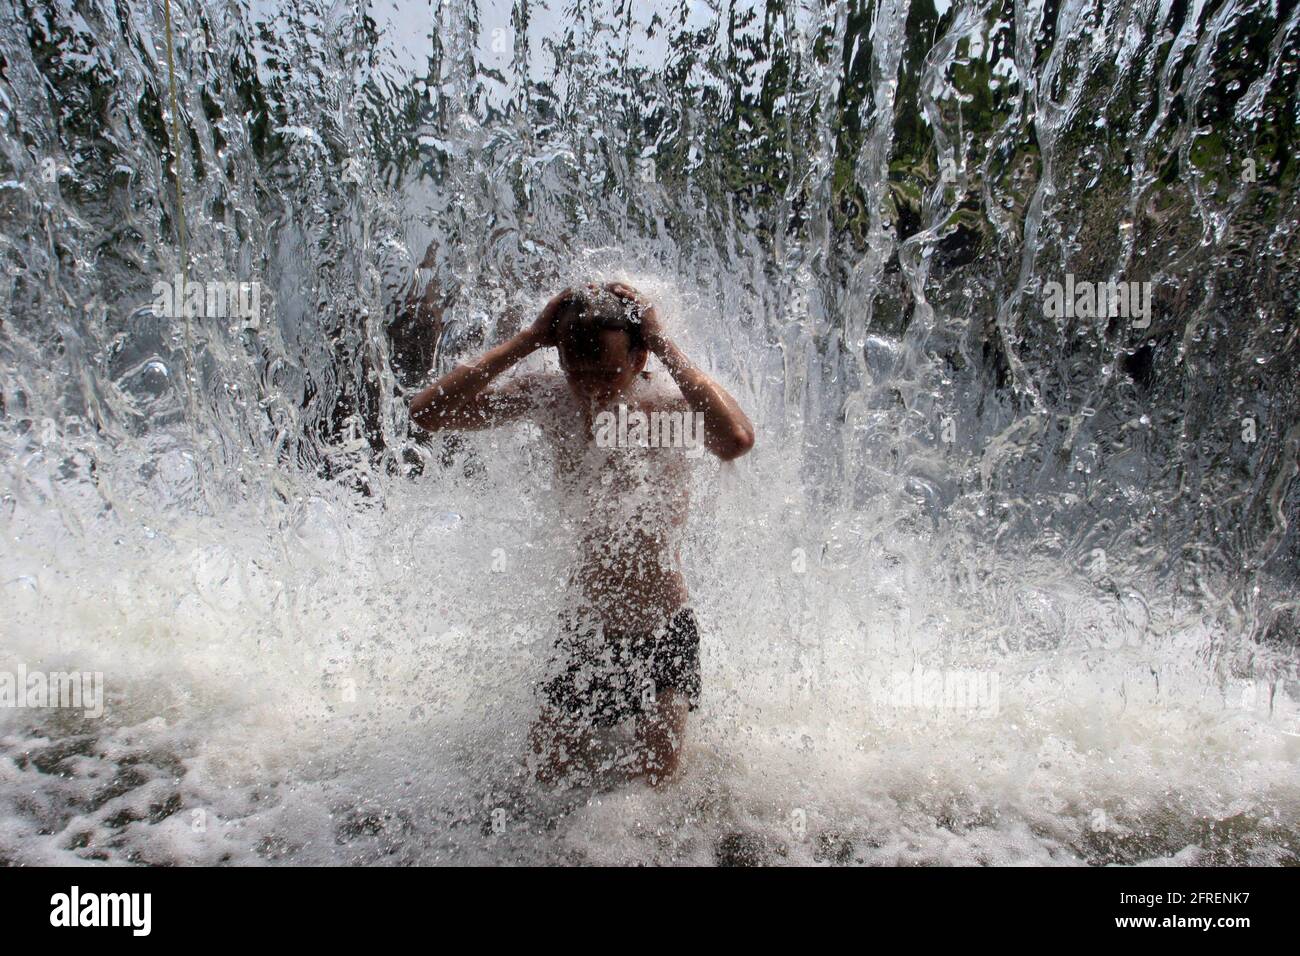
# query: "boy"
629,648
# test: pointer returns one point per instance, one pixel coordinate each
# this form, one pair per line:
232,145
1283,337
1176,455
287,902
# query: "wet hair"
584,315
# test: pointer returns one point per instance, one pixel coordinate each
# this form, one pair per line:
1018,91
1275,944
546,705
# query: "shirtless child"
629,647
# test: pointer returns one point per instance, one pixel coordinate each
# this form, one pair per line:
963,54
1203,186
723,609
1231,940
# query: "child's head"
601,349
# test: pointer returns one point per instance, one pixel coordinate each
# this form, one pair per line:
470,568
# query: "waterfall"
318,627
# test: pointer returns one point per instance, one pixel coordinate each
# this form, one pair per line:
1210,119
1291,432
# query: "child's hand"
542,331
642,312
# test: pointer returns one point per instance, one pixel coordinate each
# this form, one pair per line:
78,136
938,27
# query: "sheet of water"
992,587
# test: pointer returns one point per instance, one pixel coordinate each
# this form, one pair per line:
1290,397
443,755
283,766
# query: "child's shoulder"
656,391
541,385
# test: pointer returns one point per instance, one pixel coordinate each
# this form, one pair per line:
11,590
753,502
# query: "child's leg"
660,733
560,742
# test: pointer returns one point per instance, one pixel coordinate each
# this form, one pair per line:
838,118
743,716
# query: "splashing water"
1001,581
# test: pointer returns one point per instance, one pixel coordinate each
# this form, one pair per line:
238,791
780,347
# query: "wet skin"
627,505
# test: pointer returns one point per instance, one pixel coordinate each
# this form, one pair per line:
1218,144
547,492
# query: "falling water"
318,629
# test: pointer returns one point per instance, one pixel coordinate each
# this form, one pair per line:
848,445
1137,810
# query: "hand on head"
543,330
640,310
637,308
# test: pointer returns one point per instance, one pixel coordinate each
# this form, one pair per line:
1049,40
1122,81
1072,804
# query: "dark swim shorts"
605,677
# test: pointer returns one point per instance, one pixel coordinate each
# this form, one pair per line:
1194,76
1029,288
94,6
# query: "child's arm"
728,432
461,400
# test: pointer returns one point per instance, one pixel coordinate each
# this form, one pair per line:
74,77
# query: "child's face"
603,376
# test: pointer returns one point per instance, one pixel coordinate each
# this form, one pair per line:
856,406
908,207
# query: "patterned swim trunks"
604,677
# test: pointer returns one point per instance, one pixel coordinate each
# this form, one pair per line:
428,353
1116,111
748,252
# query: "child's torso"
626,506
